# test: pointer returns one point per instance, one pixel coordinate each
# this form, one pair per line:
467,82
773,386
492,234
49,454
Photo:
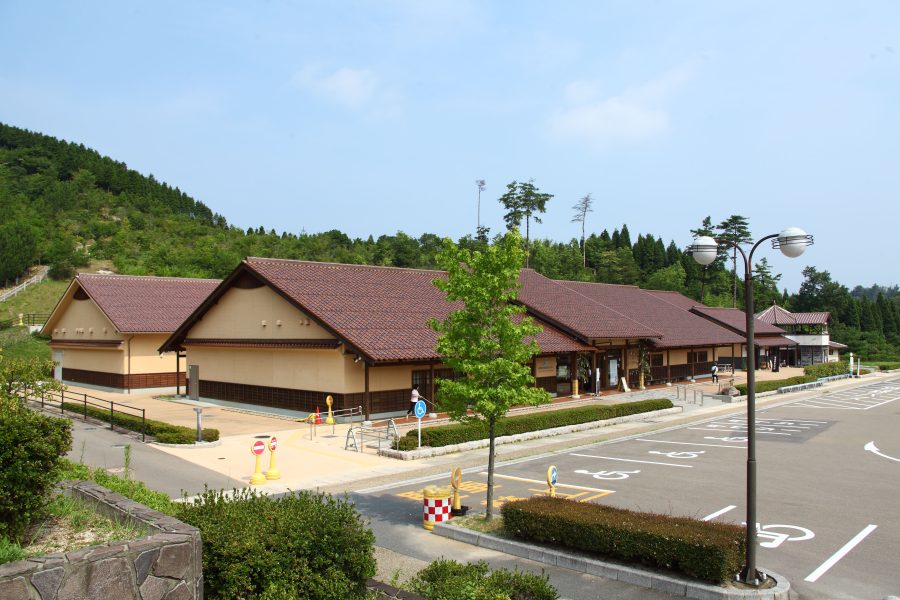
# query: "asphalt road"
828,483
94,444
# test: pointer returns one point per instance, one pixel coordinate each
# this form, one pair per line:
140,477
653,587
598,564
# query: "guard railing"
380,432
78,403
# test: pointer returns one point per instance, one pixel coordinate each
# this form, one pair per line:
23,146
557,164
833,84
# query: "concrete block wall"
164,565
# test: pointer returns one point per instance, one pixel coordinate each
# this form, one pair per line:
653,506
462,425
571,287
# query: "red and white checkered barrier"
437,504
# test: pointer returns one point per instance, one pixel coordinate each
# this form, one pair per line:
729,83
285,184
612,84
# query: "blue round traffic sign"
420,409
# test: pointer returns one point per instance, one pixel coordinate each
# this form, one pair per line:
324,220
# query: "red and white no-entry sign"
258,447
273,444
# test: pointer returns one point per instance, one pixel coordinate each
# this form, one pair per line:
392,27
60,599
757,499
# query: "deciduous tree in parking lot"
487,341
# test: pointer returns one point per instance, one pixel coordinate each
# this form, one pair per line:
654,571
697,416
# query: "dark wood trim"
367,395
262,343
122,381
104,344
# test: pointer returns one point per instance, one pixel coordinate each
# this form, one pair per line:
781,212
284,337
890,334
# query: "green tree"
524,201
735,229
668,278
582,208
765,285
487,341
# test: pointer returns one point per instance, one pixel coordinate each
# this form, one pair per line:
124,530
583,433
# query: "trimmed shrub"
887,366
163,432
709,551
258,545
31,448
449,580
458,433
768,386
827,369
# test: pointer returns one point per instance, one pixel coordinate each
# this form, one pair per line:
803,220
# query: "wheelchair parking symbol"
776,535
727,439
608,474
693,454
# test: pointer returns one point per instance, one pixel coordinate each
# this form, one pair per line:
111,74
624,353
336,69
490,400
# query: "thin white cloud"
346,86
636,114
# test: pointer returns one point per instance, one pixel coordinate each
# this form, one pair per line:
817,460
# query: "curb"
521,437
194,446
670,584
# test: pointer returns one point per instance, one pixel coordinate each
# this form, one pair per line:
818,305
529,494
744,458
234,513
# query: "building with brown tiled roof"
809,331
286,334
105,330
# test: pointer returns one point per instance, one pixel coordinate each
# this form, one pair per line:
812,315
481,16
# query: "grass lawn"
40,298
16,342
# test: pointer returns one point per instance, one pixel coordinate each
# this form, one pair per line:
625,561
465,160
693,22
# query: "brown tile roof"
559,302
773,341
665,313
145,304
736,320
381,311
776,315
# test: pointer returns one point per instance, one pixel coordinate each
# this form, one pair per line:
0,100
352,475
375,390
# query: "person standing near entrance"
715,373
414,397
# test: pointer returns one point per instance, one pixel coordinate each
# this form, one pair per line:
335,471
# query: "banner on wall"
545,366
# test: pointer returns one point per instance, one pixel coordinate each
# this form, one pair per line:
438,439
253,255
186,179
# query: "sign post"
257,449
420,410
273,472
552,479
329,420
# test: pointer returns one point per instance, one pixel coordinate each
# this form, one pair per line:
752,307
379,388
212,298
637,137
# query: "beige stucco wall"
317,370
239,314
83,320
105,360
391,378
145,356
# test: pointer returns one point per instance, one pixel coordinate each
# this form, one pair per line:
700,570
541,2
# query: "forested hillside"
63,204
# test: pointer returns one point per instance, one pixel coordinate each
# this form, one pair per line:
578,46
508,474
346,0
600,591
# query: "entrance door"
613,369
57,364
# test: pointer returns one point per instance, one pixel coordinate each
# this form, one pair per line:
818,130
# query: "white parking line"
646,462
735,429
823,568
565,485
690,443
719,512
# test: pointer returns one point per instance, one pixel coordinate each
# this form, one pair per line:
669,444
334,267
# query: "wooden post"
367,397
668,364
595,381
431,383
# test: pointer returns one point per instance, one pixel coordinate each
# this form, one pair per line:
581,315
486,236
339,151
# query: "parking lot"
828,481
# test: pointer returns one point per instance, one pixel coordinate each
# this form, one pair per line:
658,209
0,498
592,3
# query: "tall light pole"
479,183
792,242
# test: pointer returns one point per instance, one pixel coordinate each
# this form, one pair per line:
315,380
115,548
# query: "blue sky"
374,117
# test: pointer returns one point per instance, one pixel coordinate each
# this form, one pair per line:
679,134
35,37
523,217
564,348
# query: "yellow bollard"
329,420
436,506
273,472
552,475
456,481
257,449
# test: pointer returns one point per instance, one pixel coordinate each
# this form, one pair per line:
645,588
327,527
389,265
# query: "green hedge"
163,432
449,580
301,545
709,551
458,433
768,386
31,448
827,369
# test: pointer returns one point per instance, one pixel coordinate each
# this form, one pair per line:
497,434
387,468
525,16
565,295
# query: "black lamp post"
792,242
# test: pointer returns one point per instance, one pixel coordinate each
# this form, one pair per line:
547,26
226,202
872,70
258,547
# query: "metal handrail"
372,430
88,400
342,413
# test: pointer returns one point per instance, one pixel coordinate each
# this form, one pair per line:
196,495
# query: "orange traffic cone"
318,417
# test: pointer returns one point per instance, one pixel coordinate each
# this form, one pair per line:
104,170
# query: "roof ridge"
249,259
152,277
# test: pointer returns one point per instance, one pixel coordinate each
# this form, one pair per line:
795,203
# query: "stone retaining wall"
165,565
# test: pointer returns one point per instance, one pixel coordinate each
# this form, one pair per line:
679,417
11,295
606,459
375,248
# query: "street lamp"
792,242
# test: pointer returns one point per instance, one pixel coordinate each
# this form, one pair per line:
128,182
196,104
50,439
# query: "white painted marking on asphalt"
544,482
646,462
719,512
871,447
689,443
823,568
736,428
